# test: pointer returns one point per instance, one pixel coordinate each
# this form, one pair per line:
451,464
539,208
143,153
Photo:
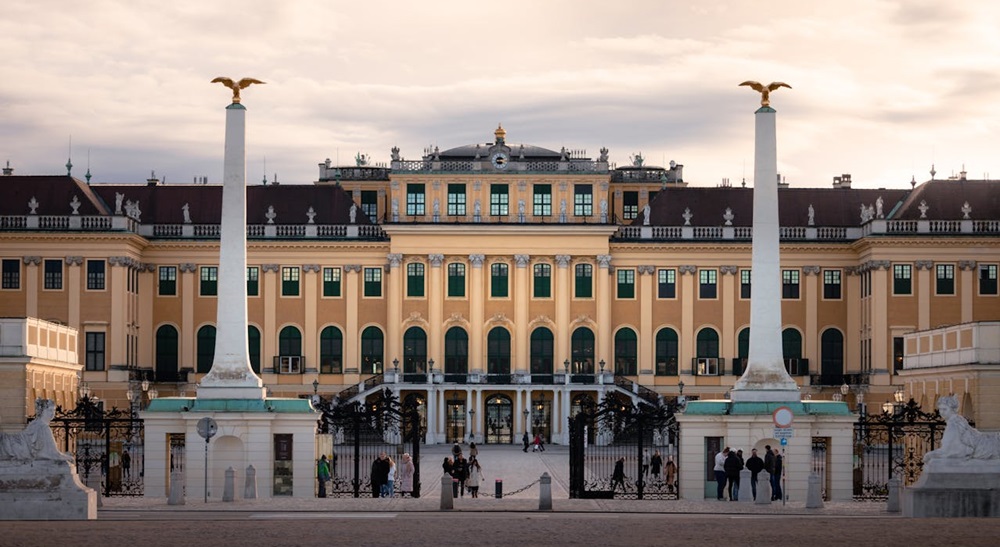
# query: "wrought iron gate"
613,450
106,443
892,444
360,432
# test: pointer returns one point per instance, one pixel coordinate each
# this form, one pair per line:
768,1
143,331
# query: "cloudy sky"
882,89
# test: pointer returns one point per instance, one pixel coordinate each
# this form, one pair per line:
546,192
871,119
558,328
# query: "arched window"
707,353
414,355
289,358
253,341
498,356
206,348
791,348
166,354
331,351
832,357
456,355
666,352
583,351
541,355
742,351
625,352
371,351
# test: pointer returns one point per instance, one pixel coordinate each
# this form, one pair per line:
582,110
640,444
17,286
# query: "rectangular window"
12,274
456,200
583,200
790,284
415,199
456,280
666,283
95,275
626,283
369,203
498,280
987,279
745,285
584,287
168,281
630,205
253,281
901,279
95,351
543,281
542,200
415,280
708,284
897,354
945,279
290,281
209,280
499,200
53,274
331,282
831,284
373,282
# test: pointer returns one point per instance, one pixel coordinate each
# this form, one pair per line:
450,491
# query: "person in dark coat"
322,475
655,463
755,465
732,468
461,472
379,474
776,493
618,475
525,440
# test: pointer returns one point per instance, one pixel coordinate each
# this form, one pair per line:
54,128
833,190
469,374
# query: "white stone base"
231,392
44,490
955,489
765,395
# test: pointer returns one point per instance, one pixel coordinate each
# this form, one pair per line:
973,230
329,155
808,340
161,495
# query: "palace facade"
500,285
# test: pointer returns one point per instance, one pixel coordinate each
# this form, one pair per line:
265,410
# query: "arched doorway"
626,352
499,420
166,354
454,429
582,348
832,357
289,359
541,416
583,402
414,355
541,356
206,349
419,402
498,356
456,355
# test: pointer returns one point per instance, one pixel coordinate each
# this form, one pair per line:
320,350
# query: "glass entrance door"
455,428
499,420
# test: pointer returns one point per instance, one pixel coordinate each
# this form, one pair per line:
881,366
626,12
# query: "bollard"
746,490
892,505
447,501
763,488
176,488
229,487
498,494
94,481
545,492
814,494
250,485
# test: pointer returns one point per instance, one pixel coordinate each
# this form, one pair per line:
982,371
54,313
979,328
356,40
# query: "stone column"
646,295
435,310
394,290
811,294
765,378
353,295
310,336
522,290
231,376
688,280
477,294
604,297
562,302
74,290
922,281
189,292
31,285
117,278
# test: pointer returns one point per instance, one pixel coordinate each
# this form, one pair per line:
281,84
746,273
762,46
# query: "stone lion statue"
961,441
35,442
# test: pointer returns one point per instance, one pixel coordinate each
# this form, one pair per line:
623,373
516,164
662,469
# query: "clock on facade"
499,160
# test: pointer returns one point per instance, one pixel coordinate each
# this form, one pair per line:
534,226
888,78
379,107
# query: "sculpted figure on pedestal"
35,442
961,441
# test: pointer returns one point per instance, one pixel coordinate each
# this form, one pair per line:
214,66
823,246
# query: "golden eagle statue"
765,92
236,86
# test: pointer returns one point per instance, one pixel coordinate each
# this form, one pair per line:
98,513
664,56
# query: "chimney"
843,181
8,171
152,180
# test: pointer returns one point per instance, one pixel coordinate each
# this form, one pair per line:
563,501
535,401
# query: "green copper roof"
719,408
191,404
764,109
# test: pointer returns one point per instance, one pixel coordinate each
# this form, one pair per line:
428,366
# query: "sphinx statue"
36,441
961,441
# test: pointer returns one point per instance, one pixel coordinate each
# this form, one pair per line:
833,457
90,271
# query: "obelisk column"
231,376
765,378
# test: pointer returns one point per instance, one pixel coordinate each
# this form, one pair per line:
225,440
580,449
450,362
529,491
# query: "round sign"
783,416
207,428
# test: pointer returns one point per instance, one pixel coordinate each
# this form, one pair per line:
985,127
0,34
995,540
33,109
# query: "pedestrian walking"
524,439
405,478
618,475
473,451
388,487
461,473
645,462
475,476
670,472
776,492
322,475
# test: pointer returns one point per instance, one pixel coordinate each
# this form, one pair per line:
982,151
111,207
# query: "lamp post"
526,413
315,397
395,365
566,366
472,424
602,363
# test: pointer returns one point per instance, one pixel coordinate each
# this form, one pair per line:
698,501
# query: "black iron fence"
106,444
892,445
360,432
618,450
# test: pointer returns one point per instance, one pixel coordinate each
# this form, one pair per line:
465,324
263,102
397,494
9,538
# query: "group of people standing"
651,466
466,474
729,463
385,475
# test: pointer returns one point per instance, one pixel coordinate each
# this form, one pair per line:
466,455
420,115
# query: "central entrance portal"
499,420
455,429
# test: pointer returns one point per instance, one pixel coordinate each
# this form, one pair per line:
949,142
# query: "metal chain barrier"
507,494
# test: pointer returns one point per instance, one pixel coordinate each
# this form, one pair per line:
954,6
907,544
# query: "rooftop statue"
961,441
765,91
35,442
236,86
